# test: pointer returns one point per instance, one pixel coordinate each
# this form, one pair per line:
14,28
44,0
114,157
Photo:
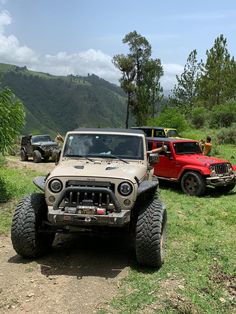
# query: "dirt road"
43,167
80,275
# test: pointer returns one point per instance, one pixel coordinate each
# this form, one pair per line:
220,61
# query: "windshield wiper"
80,156
115,157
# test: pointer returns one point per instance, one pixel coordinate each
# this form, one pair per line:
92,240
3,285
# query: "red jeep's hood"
200,159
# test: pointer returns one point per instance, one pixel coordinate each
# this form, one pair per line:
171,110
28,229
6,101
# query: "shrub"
5,190
198,117
170,118
223,116
226,136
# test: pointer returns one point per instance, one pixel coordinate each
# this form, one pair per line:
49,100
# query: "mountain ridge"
62,103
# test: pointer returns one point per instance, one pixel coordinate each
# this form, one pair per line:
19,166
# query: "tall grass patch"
14,183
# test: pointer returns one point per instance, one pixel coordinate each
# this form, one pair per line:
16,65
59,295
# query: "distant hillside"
61,103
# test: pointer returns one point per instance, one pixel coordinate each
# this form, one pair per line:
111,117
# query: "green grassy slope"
58,104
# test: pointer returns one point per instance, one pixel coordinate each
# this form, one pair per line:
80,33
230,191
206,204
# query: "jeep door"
167,166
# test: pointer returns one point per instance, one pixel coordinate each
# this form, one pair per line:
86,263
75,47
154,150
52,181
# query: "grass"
199,273
14,183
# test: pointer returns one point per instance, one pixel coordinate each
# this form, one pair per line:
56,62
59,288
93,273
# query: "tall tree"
145,75
217,84
12,118
185,92
126,65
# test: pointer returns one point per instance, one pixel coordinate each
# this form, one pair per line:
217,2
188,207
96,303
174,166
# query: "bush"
226,136
5,190
223,115
170,118
198,117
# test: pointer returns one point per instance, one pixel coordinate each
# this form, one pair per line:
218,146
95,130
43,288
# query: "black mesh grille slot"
221,168
88,198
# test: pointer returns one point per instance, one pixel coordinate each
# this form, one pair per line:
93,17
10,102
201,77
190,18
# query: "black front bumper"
62,219
70,213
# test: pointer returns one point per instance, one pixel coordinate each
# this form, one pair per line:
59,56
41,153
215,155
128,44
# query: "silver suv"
103,178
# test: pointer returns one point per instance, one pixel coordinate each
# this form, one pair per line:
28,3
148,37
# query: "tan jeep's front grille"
98,199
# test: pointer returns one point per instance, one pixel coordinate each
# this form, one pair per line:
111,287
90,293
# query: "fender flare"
40,182
147,186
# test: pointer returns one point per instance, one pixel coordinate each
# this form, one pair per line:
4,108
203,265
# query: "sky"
81,36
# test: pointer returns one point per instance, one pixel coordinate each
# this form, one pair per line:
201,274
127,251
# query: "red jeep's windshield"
182,148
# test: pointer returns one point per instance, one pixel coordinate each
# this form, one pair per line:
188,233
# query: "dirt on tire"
81,274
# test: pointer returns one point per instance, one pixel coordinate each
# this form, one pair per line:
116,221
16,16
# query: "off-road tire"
37,157
54,156
151,233
23,155
192,183
27,219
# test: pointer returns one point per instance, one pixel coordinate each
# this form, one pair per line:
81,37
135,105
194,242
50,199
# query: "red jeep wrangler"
184,162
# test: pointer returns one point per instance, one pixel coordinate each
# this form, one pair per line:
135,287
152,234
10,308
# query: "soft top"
170,139
109,130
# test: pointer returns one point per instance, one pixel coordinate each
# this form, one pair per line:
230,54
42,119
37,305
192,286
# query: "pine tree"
185,92
217,83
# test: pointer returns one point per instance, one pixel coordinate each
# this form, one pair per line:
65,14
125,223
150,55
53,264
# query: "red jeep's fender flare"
204,171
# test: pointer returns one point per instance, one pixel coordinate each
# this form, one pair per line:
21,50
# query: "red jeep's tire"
151,234
192,183
26,221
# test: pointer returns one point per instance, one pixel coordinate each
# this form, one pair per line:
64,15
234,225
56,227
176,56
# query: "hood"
101,169
199,159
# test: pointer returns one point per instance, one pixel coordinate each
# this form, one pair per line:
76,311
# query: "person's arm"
163,148
59,138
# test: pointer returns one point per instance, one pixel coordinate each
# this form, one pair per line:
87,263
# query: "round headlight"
55,186
125,188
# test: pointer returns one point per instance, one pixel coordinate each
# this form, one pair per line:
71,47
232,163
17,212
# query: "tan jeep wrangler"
103,178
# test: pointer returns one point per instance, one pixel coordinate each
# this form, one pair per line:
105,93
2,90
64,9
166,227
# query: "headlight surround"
212,169
55,185
230,168
125,188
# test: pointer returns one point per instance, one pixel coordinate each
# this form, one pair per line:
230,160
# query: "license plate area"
87,210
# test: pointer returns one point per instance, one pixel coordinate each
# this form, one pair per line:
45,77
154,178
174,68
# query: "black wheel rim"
191,184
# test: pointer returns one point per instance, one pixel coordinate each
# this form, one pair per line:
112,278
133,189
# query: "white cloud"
5,19
80,63
170,71
10,48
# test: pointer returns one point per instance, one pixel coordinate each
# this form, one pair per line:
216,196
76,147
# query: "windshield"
41,138
187,148
104,146
172,133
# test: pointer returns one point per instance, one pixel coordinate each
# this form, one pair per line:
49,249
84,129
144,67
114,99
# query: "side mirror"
153,158
169,154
